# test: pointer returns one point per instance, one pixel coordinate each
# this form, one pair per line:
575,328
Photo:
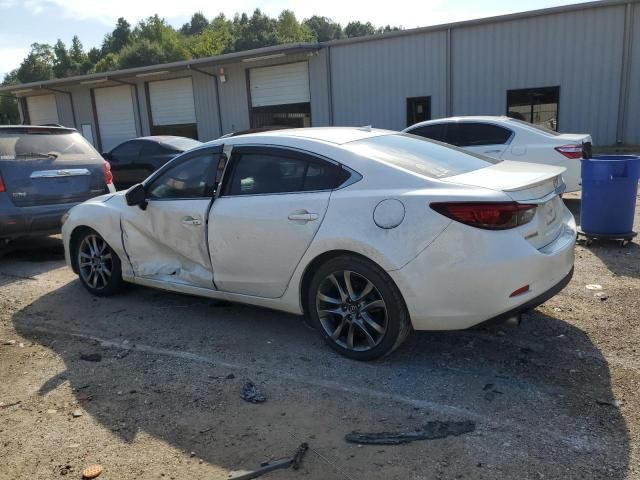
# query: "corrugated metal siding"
65,112
204,94
372,80
579,51
632,127
319,89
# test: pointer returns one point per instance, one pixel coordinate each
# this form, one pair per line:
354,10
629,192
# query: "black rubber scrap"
252,394
430,431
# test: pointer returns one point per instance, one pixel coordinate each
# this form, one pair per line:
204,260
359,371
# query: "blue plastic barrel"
609,189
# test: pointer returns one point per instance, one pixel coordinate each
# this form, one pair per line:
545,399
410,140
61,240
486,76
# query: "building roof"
278,50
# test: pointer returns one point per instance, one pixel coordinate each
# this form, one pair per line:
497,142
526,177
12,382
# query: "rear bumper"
466,276
38,220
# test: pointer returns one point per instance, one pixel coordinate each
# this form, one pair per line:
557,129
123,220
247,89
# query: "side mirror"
106,155
137,195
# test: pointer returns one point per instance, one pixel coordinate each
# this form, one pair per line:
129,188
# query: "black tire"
101,274
385,326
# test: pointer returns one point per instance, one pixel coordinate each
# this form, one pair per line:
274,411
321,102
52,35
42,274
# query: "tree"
94,55
80,63
119,38
289,30
258,31
197,24
359,29
38,65
62,62
324,29
9,114
107,63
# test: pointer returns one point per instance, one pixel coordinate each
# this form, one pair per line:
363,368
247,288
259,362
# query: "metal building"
574,68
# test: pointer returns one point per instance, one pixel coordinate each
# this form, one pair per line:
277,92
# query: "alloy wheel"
351,311
95,261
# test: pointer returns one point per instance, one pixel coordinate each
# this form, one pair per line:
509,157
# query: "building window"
418,110
535,105
294,115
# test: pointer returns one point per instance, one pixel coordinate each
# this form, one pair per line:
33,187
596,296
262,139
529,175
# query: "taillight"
570,151
2,187
108,176
489,216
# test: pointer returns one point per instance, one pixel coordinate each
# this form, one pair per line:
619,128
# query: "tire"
99,267
357,308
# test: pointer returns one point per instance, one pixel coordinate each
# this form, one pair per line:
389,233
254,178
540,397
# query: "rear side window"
437,132
127,151
467,134
152,148
42,143
418,155
257,173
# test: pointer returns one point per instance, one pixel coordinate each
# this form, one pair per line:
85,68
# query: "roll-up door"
173,110
280,84
116,120
42,109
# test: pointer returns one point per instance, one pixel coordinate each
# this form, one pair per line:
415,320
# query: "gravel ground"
553,398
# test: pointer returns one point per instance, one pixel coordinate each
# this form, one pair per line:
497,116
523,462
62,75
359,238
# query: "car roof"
464,118
50,128
334,135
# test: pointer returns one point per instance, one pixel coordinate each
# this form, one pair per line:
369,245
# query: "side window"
255,173
437,132
191,178
151,149
126,152
473,134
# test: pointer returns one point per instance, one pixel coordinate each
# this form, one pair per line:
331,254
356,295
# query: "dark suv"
44,171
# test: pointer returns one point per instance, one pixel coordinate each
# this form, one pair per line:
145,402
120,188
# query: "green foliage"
324,29
9,114
359,29
153,41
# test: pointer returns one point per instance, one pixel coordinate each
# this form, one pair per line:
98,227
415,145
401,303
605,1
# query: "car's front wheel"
357,308
98,265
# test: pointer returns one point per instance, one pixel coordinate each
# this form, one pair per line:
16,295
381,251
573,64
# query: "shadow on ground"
41,254
174,367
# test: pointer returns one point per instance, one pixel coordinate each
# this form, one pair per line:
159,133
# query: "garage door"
116,121
279,85
172,102
42,109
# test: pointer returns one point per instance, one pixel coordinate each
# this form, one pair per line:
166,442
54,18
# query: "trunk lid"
526,183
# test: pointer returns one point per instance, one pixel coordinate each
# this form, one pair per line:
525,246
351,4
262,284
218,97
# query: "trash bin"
609,189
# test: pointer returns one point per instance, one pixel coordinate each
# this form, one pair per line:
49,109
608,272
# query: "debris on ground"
92,471
594,286
231,376
252,394
430,431
601,295
91,357
7,405
266,467
610,403
9,342
76,413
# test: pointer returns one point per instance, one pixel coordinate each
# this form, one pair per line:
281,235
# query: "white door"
116,119
166,240
172,102
272,203
280,84
42,109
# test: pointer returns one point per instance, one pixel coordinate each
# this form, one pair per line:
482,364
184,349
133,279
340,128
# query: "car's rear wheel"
98,265
357,308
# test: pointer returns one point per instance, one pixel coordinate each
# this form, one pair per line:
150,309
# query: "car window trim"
291,152
178,161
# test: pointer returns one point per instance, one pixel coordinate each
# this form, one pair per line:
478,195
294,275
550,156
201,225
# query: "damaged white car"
369,233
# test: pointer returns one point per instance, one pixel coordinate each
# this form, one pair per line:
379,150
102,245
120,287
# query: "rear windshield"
34,143
535,127
420,155
181,144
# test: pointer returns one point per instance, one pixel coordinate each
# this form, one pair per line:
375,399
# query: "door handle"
191,221
303,216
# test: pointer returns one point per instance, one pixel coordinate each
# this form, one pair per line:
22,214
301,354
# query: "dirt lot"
555,398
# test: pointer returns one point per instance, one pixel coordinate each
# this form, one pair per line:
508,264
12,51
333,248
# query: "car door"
483,138
271,205
166,239
123,160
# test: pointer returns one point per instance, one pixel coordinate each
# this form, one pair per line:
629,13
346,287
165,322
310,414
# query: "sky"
23,22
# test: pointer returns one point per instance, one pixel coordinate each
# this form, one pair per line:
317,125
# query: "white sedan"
510,139
369,233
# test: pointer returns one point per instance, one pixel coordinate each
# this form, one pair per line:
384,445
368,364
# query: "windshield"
182,144
535,127
36,143
420,155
